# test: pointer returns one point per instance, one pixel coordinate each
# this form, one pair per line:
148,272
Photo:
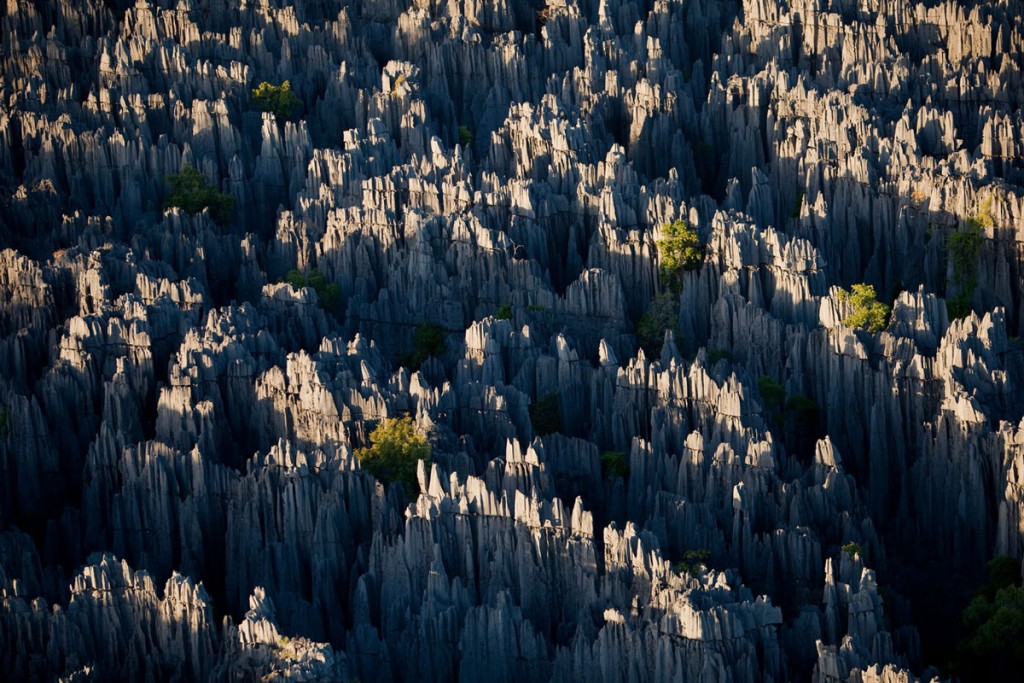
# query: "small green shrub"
959,306
465,137
964,249
993,649
772,393
328,293
663,314
802,413
715,355
853,548
503,312
614,464
279,100
427,341
192,192
395,448
692,561
679,250
5,422
545,414
868,313
798,204
534,308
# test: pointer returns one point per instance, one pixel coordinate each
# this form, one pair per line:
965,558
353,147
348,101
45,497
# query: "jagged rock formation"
173,413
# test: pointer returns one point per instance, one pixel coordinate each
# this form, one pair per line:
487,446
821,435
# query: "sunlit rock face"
755,492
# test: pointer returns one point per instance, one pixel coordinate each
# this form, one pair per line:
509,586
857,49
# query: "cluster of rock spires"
180,498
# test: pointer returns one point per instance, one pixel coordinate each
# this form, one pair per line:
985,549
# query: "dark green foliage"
465,137
5,423
802,413
964,250
800,419
503,312
395,448
279,100
993,649
797,205
662,315
545,415
679,250
959,306
715,355
692,562
772,393
534,308
427,341
1003,571
796,416
853,548
868,313
192,192
328,293
614,464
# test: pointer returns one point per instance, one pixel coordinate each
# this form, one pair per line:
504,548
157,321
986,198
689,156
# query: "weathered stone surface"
173,413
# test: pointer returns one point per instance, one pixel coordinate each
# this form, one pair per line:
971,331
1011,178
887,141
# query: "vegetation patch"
614,464
853,548
427,341
798,204
663,314
465,137
192,192
964,249
868,312
503,312
679,250
545,415
802,413
715,355
993,649
693,561
772,393
395,447
279,100
327,292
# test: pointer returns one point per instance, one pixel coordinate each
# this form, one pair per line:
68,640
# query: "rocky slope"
179,493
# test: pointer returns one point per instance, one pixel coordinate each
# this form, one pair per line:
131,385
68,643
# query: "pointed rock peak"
606,355
825,454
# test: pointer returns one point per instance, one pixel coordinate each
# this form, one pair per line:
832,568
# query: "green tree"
715,355
614,464
663,314
692,561
868,313
327,292
192,192
964,249
772,393
395,448
679,250
993,649
545,415
465,137
503,312
427,341
800,420
853,548
798,204
279,100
